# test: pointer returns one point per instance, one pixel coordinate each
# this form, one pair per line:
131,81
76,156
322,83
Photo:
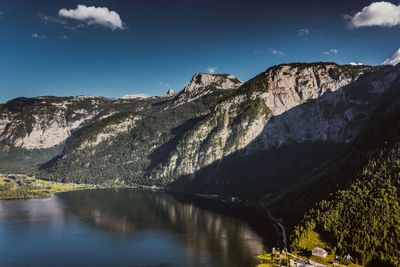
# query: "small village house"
348,257
319,252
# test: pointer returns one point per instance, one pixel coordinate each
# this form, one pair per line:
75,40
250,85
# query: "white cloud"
64,37
356,64
395,59
48,19
212,70
94,15
37,36
303,32
384,14
277,53
74,28
331,52
161,84
1,14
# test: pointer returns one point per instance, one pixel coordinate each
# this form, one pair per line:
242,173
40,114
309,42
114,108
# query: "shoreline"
26,187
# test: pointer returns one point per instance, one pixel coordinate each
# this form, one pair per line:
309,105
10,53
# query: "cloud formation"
356,64
38,36
384,14
395,59
277,53
48,19
94,16
331,52
303,32
212,70
161,84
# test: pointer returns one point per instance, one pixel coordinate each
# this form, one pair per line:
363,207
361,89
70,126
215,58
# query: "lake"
128,227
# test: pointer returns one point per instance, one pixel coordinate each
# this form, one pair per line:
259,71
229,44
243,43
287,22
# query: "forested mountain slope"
363,217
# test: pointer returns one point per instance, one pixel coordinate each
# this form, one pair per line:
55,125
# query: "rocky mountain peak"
219,81
203,83
170,93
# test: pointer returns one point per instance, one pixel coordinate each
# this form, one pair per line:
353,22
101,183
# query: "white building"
319,252
348,257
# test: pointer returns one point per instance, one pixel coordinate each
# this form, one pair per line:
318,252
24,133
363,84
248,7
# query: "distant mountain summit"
218,81
204,83
136,96
170,93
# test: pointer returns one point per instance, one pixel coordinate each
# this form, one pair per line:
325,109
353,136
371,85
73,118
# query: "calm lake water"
129,228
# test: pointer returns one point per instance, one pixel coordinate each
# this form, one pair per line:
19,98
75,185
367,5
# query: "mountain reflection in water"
122,228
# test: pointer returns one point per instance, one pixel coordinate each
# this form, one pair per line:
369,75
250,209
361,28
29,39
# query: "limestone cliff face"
45,122
336,116
287,86
277,107
203,83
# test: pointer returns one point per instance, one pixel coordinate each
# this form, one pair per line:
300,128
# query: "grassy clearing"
3,181
6,184
312,240
31,187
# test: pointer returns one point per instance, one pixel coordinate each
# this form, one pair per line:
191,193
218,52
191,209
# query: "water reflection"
126,228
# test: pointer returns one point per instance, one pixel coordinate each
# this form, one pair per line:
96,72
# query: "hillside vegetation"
131,156
363,218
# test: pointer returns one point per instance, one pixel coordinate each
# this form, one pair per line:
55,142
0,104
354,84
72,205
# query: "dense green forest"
363,218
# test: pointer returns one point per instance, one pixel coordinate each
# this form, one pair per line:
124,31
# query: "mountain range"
315,143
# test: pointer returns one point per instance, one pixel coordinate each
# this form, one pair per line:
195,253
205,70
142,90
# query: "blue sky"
152,46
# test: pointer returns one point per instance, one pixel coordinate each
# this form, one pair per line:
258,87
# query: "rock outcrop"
45,122
170,93
204,83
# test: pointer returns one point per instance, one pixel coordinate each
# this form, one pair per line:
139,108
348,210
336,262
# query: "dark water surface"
128,228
